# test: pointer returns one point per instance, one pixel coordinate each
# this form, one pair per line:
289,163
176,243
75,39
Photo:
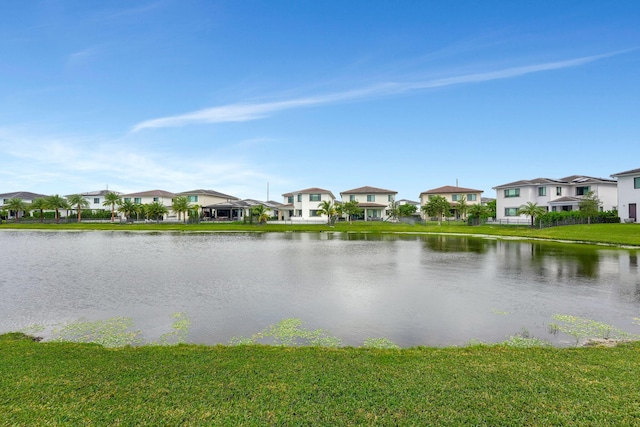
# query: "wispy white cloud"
243,112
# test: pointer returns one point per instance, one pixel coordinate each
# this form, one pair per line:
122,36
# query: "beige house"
374,202
453,196
146,197
207,199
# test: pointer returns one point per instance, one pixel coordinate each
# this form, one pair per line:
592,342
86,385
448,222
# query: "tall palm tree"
79,203
326,208
155,209
56,203
531,209
39,204
437,206
17,205
128,208
261,212
181,206
112,199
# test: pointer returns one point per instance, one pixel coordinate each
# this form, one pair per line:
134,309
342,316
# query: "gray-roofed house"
146,197
304,204
628,194
374,202
25,196
96,199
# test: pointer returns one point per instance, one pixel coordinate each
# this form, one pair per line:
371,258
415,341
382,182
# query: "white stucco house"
304,204
453,196
96,199
373,201
628,194
146,197
25,196
562,194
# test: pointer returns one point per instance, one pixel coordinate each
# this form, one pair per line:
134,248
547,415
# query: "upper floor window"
352,198
472,197
155,199
137,200
558,191
371,197
512,192
455,197
390,197
191,199
542,191
96,200
636,182
299,197
127,199
290,199
582,191
314,197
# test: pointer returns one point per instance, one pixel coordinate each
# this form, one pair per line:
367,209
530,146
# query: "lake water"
411,289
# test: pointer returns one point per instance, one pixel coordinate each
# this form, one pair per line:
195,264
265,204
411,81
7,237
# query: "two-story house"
96,199
564,194
628,194
374,202
165,198
453,195
304,204
206,200
25,196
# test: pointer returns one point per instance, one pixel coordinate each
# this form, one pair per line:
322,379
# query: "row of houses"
621,193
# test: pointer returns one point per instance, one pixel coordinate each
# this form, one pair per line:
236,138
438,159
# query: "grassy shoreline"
86,384
603,234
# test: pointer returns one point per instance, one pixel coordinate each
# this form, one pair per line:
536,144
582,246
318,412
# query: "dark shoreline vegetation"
87,384
607,234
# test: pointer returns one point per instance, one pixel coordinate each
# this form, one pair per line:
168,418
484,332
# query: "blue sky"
232,95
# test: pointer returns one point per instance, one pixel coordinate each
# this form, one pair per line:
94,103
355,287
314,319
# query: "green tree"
112,199
590,206
407,209
478,212
194,214
531,210
492,207
393,211
462,207
437,206
155,210
351,209
17,205
327,208
56,203
181,206
261,212
128,208
39,204
78,202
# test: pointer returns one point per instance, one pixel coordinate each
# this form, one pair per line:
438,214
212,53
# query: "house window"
472,197
582,191
636,182
314,197
290,199
127,199
558,191
542,191
390,198
512,192
300,197
510,211
137,200
96,200
352,198
5,201
191,199
371,197
155,199
455,197
313,212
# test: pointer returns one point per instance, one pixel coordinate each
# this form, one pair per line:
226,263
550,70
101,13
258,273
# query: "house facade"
453,196
304,204
628,194
96,199
205,199
375,202
25,196
146,197
238,210
564,194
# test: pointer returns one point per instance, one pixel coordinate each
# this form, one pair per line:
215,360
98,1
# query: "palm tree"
437,206
531,209
478,211
181,206
128,208
17,205
79,202
155,209
194,213
56,203
112,199
462,207
39,204
326,208
261,211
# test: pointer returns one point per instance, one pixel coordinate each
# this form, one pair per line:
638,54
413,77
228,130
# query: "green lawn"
617,234
71,384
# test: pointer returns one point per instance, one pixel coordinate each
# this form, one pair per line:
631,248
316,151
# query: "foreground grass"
86,384
616,234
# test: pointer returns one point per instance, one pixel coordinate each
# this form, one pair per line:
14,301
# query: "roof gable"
449,189
369,190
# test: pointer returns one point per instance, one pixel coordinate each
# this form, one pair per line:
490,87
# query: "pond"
412,289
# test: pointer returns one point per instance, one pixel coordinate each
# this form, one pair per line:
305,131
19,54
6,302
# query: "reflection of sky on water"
412,289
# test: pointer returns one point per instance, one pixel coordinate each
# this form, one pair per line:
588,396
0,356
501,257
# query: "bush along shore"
610,234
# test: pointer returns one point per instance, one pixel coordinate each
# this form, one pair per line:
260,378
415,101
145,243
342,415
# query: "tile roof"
449,189
368,190
630,172
312,190
151,193
207,193
24,195
568,180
